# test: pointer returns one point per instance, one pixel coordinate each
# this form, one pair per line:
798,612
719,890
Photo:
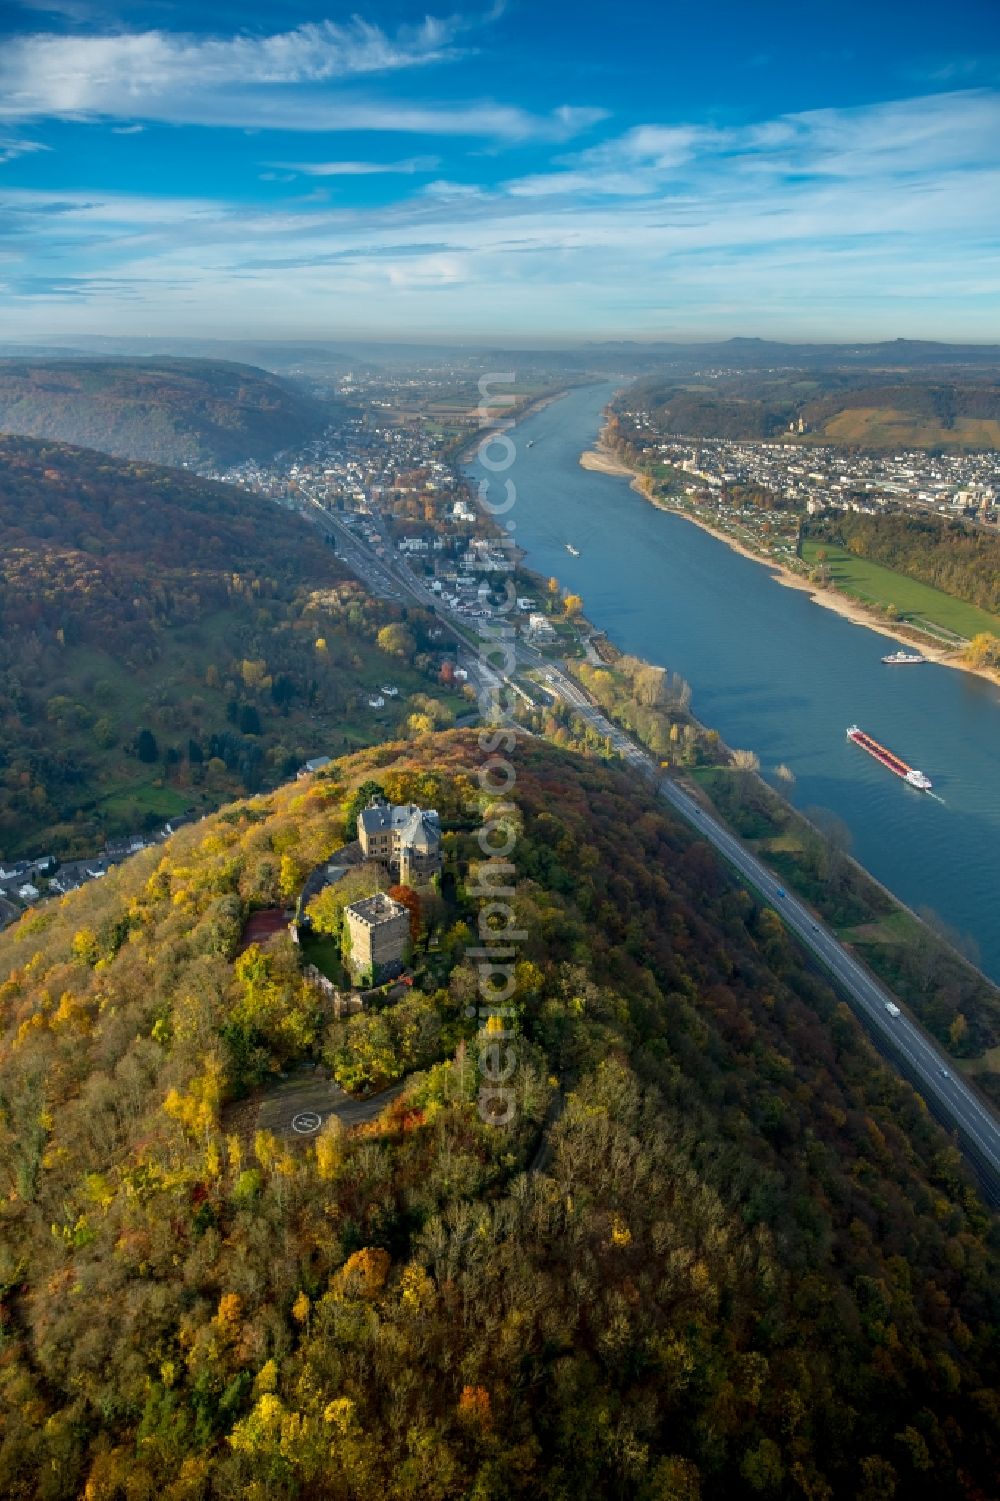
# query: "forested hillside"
735,410
916,414
719,1251
962,560
167,643
836,407
192,412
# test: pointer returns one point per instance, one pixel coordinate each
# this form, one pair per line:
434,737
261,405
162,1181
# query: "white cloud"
942,132
73,10
655,147
427,272
292,80
360,169
441,187
799,218
33,212
581,184
14,146
46,74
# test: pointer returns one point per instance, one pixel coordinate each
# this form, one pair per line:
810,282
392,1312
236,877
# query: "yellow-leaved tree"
983,650
197,1109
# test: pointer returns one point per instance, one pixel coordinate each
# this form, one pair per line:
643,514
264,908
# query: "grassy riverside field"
917,603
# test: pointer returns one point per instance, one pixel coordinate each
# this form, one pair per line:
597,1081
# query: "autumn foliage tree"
110,572
720,1249
410,899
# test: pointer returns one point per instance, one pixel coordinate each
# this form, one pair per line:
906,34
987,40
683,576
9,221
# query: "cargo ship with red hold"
887,758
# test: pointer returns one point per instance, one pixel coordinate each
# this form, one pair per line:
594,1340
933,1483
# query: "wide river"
776,673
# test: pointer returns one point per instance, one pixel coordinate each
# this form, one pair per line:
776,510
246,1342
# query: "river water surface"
776,673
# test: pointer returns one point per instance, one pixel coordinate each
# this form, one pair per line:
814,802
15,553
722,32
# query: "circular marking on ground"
306,1122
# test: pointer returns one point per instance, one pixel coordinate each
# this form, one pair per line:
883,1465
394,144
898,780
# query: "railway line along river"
776,673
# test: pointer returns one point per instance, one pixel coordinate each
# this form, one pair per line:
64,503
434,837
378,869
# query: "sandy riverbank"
603,461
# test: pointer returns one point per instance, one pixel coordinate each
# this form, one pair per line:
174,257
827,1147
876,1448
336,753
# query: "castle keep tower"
378,931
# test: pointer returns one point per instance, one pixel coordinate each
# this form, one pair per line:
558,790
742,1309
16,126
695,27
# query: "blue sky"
551,170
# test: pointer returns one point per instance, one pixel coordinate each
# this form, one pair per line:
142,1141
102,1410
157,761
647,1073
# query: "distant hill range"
331,357
875,410
770,354
165,411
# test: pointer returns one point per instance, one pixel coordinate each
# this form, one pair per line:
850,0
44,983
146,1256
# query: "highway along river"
776,673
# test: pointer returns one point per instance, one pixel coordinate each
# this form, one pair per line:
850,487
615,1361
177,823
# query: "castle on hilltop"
377,933
402,837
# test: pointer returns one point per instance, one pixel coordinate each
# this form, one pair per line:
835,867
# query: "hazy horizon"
471,343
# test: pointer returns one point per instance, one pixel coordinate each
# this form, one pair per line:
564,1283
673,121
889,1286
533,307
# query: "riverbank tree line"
958,558
919,960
